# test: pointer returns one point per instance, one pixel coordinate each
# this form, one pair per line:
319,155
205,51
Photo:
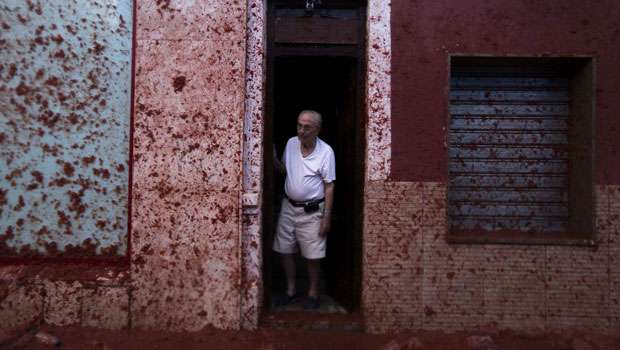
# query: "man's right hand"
277,163
326,224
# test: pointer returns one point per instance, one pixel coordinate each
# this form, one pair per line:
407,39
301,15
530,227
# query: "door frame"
347,290
376,153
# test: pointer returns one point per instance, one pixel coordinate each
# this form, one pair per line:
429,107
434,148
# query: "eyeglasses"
306,127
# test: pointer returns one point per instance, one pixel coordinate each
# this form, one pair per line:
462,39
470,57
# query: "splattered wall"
65,82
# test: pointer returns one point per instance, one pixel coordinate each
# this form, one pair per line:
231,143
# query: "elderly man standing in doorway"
305,217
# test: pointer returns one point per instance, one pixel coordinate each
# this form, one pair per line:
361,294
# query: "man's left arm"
327,213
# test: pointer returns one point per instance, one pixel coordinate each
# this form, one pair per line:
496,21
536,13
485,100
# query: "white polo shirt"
305,175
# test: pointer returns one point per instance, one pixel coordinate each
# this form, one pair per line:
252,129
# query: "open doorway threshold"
295,317
331,315
328,306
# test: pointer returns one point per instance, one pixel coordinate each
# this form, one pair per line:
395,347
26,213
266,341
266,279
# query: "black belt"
303,204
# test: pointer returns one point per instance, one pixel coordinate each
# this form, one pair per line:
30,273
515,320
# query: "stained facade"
65,128
151,199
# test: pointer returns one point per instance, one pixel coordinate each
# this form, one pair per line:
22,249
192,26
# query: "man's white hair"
314,114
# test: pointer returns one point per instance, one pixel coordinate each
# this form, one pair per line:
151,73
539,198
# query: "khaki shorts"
296,227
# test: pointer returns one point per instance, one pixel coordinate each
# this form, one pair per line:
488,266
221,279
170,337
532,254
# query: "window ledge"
520,238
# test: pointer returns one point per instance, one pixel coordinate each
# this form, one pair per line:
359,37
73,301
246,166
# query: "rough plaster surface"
378,97
189,276
186,247
414,279
20,305
63,295
63,305
65,77
105,307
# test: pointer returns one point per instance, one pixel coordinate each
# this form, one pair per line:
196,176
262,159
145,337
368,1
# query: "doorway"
329,79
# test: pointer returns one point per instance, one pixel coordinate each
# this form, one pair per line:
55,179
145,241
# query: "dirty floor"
281,339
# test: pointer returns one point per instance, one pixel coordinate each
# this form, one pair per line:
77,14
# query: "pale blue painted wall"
65,82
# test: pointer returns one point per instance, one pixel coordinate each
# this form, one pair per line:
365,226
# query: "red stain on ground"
266,338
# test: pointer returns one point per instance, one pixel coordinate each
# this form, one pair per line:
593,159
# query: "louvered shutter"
508,148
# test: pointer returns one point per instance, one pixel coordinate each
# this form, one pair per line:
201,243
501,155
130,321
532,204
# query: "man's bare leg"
314,269
288,263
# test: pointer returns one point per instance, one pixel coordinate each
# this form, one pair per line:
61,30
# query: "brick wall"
414,279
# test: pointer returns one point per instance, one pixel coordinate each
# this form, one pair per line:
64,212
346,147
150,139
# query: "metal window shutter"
508,150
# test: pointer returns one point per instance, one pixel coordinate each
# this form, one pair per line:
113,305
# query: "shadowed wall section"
190,82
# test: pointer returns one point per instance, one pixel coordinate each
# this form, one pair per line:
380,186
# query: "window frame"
581,170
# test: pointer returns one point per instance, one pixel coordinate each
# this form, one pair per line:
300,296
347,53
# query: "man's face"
307,128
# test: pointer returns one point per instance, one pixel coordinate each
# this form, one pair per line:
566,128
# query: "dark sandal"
312,303
288,299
